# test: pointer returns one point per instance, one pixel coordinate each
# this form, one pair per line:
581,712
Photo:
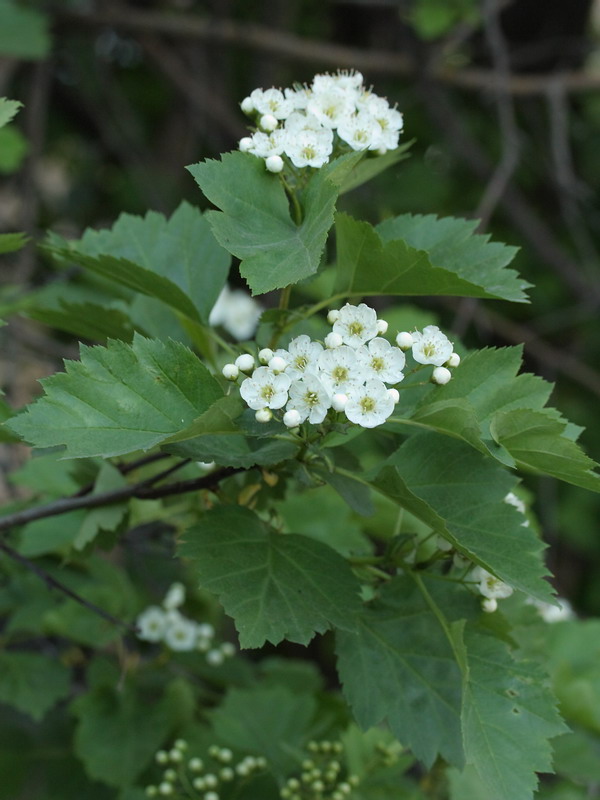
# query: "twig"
302,49
142,491
53,583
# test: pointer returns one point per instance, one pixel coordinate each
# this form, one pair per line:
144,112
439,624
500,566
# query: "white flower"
348,80
310,398
431,346
217,314
441,375
301,356
356,324
215,658
369,405
175,596
206,630
274,164
267,144
180,633
361,131
309,148
512,500
152,623
298,122
338,369
489,585
389,120
330,106
550,613
265,389
272,101
298,97
241,316
379,360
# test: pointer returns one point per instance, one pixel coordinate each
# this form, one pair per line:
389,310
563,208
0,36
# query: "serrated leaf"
86,320
254,223
10,242
540,442
460,494
270,722
23,32
180,251
416,255
275,586
8,110
118,732
373,165
508,717
235,450
32,682
399,666
107,518
119,399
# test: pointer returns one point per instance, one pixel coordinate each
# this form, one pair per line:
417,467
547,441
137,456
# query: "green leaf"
180,251
508,717
399,666
255,224
13,149
275,586
540,442
373,165
270,722
353,491
453,417
51,535
119,399
460,494
10,242
86,320
416,255
8,109
235,450
32,682
23,32
106,518
118,732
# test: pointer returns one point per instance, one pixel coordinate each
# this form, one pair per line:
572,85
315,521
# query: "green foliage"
11,242
119,399
32,682
417,255
8,110
255,223
274,586
23,32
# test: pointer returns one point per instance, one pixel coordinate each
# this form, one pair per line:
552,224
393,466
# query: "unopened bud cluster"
311,123
219,777
323,776
168,625
353,371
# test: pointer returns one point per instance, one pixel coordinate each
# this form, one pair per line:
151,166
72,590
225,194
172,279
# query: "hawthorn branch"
53,583
305,50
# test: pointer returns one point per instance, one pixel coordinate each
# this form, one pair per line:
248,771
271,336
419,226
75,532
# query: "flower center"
356,328
267,392
367,404
361,136
429,349
377,364
311,398
340,374
301,362
309,152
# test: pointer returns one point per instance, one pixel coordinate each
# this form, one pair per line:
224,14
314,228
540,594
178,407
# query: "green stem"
284,297
458,655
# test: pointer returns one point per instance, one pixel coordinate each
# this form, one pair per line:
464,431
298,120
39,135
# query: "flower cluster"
308,123
490,587
350,372
323,775
209,780
167,624
237,312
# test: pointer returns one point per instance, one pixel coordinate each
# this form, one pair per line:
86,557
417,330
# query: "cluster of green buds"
389,752
323,777
219,778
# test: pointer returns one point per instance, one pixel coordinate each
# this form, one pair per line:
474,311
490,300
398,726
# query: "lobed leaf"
275,586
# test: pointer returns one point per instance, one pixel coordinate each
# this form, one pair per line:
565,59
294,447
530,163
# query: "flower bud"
161,757
225,755
404,340
265,355
151,791
210,780
198,783
382,326
333,340
175,755
453,361
268,122
206,466
245,144
274,163
195,764
278,364
230,372
215,657
394,394
245,362
226,774
264,415
211,796
247,105
292,418
170,775
165,788
441,375
381,151
489,605
228,649
338,401
333,316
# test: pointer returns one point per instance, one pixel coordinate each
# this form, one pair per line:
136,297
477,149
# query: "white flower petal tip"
245,362
230,372
292,418
264,415
404,340
441,375
274,164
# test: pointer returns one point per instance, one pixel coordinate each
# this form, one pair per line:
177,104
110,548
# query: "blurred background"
501,96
